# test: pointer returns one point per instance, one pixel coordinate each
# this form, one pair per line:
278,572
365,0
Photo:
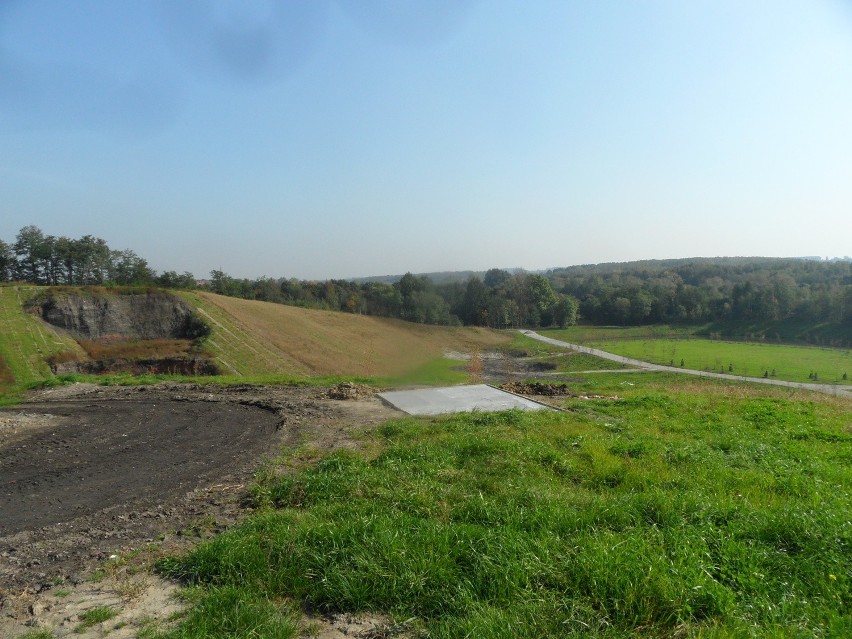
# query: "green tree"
171,279
620,309
565,311
7,262
222,283
126,267
542,300
65,250
496,277
92,259
475,303
31,252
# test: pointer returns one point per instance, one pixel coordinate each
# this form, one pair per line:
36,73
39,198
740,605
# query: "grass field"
663,345
683,509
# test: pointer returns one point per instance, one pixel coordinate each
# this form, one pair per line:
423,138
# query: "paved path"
830,389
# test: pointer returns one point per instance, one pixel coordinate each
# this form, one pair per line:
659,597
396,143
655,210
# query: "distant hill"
445,277
438,277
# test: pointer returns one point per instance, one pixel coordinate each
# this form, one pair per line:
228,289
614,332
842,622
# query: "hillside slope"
251,338
256,338
25,341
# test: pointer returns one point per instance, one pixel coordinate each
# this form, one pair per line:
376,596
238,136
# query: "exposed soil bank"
97,315
151,366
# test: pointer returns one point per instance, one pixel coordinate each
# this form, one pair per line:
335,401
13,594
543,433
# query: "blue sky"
341,138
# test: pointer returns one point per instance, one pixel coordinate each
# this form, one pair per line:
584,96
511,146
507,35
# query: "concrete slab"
457,399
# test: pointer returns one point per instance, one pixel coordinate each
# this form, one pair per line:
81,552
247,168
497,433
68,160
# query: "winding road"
830,389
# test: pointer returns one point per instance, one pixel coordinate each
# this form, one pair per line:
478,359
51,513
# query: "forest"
682,291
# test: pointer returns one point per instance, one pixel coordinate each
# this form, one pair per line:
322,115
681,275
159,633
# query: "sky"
341,138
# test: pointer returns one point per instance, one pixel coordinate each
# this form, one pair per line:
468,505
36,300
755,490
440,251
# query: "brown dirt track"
87,471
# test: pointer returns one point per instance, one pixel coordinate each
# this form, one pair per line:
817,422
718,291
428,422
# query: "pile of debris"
349,390
537,388
546,389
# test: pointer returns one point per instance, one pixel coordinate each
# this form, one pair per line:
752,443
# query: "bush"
195,328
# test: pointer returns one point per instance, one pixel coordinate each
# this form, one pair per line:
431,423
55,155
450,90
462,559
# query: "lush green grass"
94,616
790,331
660,345
683,509
439,371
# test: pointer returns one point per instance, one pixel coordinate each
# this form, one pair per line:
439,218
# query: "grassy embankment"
263,341
26,343
685,508
669,345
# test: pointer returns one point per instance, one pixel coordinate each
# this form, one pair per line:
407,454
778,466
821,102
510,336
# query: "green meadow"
682,508
677,347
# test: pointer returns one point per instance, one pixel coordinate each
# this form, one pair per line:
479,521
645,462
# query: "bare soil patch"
97,480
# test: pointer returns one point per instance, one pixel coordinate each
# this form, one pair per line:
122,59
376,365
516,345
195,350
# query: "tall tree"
7,262
31,252
495,277
93,260
474,310
565,311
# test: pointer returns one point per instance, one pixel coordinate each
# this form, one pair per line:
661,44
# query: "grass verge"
682,509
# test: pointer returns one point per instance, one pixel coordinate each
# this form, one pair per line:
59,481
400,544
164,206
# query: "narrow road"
830,389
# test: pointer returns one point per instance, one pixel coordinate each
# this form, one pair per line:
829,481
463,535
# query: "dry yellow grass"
251,338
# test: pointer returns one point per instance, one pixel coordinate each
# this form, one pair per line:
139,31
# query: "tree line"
500,300
88,261
710,290
698,290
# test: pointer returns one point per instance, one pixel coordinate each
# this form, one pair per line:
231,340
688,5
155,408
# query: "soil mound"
349,390
537,388
150,366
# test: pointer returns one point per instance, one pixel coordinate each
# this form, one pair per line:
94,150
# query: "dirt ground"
96,481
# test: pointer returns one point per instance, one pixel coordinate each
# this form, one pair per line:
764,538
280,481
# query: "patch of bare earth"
97,482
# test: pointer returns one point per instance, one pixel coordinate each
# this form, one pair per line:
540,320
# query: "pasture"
678,347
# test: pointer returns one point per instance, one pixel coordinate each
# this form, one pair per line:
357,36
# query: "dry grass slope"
253,338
